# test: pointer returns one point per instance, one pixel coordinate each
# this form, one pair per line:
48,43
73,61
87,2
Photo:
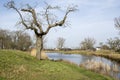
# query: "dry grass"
108,54
43,54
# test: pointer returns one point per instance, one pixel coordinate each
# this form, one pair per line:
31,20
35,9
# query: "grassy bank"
104,53
17,65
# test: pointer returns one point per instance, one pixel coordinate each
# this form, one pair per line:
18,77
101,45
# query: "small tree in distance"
87,44
40,23
114,44
60,42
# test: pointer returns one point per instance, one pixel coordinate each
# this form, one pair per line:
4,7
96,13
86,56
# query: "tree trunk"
39,46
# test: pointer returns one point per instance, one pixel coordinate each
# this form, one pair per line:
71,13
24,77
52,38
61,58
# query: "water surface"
79,59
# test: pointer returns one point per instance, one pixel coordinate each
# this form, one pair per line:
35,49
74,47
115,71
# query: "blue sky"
95,19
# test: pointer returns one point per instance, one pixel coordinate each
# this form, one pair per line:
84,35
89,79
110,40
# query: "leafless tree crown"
36,24
87,44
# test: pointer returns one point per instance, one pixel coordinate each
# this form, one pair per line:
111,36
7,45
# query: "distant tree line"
14,40
111,44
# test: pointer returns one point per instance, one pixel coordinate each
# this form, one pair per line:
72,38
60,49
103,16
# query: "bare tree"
35,22
87,44
5,39
117,23
114,44
60,42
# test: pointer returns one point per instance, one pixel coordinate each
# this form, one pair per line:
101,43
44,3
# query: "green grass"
17,65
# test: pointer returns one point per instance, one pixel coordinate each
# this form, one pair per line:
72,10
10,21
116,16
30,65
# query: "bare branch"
46,14
61,23
34,24
32,11
26,10
51,7
11,5
117,23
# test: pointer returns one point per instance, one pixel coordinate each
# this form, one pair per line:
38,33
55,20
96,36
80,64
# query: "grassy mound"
17,65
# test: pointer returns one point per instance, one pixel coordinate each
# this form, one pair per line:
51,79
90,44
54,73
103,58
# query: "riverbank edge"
103,53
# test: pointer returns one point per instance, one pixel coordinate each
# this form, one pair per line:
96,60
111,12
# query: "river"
81,59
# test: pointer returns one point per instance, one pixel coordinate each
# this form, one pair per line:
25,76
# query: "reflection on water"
79,59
